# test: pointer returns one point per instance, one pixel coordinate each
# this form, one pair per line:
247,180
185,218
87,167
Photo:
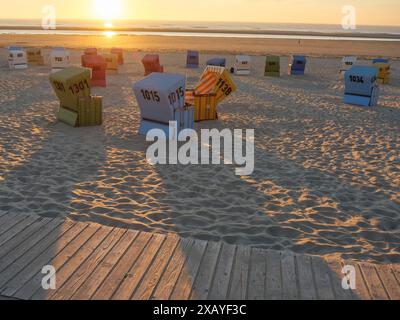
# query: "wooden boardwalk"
97,262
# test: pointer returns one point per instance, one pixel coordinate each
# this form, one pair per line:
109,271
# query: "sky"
368,12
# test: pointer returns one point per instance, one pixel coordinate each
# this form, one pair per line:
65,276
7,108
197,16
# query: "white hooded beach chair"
17,58
59,59
347,63
242,65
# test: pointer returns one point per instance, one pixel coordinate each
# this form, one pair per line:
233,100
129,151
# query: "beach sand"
326,179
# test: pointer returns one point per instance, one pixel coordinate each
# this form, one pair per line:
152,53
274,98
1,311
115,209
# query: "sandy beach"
326,179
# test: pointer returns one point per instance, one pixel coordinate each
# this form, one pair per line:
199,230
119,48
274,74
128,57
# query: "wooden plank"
67,290
38,234
100,273
289,278
220,285
54,230
240,273
336,276
41,260
138,270
274,276
9,220
322,279
396,271
375,286
202,284
118,274
68,269
305,276
257,275
389,281
168,280
33,287
16,241
16,229
189,271
154,273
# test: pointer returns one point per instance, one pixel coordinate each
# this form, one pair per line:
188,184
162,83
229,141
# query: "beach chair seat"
347,63
272,66
59,59
361,86
98,66
217,62
161,99
120,54
35,56
112,63
151,63
192,59
383,67
242,65
17,58
297,65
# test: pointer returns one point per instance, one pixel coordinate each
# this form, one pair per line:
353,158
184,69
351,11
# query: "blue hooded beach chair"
361,86
217,62
297,65
193,59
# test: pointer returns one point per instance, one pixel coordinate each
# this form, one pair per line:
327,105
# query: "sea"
205,29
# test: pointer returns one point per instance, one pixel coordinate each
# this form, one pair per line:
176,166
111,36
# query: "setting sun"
107,10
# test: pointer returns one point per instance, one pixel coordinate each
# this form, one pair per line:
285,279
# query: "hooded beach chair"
151,63
383,67
161,99
297,65
242,65
17,58
112,62
192,59
347,63
217,62
59,59
361,86
86,53
215,86
98,66
77,107
272,66
35,56
120,54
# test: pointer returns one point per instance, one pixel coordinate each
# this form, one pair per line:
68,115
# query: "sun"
107,10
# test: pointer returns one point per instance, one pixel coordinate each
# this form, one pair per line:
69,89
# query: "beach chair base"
242,72
272,74
184,118
205,106
89,113
99,83
19,66
360,100
192,66
296,73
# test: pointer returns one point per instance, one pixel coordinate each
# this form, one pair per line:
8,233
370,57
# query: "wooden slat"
202,284
32,289
2,213
257,275
373,282
289,278
81,273
41,260
274,276
189,271
240,273
118,274
220,285
55,229
39,231
336,276
68,269
305,276
322,279
9,220
389,281
16,229
100,273
139,269
171,274
396,271
154,273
